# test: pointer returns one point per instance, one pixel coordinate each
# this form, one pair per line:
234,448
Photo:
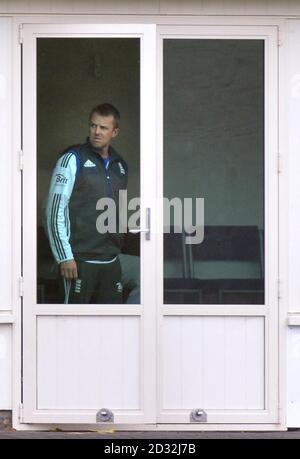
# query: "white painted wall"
293,336
293,377
5,366
192,7
6,210
293,77
5,168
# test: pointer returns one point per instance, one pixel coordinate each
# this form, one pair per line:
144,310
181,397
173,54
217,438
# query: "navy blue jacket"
79,180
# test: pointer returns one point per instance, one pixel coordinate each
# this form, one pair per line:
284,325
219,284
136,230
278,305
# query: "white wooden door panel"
213,362
87,357
88,362
218,356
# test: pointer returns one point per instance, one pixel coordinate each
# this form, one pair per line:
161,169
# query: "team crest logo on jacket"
122,170
119,287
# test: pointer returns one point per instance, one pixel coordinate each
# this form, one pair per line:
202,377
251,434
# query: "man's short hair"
107,109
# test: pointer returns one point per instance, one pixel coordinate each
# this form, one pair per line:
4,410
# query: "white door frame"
243,21
268,311
145,311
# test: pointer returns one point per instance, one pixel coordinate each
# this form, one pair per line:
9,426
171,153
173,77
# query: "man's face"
102,130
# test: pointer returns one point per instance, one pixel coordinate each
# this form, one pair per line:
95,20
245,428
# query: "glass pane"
214,151
85,253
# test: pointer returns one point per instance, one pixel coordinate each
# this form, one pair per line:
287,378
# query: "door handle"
146,230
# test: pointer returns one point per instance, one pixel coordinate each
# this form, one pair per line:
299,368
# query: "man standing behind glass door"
88,260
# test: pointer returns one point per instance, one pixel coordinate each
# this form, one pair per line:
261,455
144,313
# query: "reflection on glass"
214,149
85,253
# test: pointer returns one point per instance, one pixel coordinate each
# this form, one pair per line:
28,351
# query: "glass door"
219,305
89,319
183,198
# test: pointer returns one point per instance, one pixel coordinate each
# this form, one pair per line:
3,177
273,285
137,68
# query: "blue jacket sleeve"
57,210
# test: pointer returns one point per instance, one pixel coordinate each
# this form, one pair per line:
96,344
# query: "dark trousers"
130,266
97,283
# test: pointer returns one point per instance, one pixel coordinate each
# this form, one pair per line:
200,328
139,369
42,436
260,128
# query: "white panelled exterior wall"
6,310
287,14
293,287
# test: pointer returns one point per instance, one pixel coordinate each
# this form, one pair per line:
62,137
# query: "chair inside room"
179,287
227,267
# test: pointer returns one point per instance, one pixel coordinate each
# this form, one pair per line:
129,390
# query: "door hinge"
279,163
21,34
21,160
21,286
21,412
279,37
278,289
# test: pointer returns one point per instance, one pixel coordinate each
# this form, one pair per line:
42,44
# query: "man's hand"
68,269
